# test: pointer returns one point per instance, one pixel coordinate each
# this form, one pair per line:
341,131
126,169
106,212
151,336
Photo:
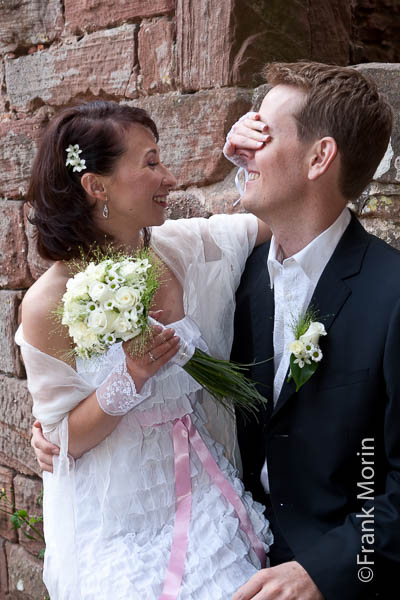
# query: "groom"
324,460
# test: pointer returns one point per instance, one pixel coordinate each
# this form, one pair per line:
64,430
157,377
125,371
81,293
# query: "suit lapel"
332,291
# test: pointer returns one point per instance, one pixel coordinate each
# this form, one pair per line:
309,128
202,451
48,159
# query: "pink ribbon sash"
184,432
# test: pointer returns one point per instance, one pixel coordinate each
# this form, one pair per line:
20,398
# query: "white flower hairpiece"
73,158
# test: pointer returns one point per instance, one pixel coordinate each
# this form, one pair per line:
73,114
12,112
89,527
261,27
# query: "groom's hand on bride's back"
44,450
288,581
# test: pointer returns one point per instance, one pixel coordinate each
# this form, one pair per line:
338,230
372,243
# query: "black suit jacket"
317,440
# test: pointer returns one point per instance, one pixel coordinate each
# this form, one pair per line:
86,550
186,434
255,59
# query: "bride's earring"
105,209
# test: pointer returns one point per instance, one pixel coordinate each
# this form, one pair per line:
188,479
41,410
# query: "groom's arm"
364,552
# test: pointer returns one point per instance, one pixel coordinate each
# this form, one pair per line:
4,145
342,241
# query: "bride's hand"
44,450
161,347
249,133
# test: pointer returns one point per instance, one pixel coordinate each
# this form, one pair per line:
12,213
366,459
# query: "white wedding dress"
109,516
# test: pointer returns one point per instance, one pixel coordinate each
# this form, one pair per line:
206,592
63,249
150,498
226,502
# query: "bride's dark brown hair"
62,214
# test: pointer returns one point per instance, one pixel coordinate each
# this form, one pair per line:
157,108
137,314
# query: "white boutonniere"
305,353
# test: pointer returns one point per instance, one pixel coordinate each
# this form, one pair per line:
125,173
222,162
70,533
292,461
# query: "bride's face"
138,187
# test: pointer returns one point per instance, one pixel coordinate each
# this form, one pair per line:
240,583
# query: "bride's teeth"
253,176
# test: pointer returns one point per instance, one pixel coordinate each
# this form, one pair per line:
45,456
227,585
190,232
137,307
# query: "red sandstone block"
6,483
93,14
24,574
16,418
9,356
17,149
388,80
29,22
225,43
203,43
14,271
156,56
28,496
97,65
192,131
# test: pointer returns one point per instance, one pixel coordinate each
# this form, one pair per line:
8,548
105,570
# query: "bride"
122,518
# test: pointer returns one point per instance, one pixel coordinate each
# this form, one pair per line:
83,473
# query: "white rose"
97,321
89,340
296,347
78,285
128,268
94,271
99,291
313,333
72,311
78,331
125,298
121,325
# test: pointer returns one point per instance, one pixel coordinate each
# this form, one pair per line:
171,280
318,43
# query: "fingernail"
259,144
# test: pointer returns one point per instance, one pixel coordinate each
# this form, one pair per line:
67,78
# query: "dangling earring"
105,209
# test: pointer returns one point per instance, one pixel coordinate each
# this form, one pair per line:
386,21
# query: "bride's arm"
88,423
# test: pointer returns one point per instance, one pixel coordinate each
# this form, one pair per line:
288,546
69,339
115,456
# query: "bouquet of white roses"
109,302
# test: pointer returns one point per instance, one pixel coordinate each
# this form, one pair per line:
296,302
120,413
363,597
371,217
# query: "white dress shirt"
294,281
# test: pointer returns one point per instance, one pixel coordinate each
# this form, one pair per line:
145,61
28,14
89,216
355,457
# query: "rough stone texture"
9,355
27,22
203,43
15,422
376,26
25,574
193,129
156,56
95,14
28,496
220,43
205,201
17,149
3,570
6,483
100,64
388,81
14,272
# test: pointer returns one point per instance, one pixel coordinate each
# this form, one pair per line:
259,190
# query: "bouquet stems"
225,381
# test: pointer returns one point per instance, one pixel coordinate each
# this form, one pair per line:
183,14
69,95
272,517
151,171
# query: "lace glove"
238,161
117,394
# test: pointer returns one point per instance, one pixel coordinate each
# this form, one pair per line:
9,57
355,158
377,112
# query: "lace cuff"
117,394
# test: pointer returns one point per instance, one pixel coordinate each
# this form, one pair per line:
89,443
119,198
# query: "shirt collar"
314,257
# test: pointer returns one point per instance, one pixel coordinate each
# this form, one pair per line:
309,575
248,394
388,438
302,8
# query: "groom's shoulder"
381,266
379,250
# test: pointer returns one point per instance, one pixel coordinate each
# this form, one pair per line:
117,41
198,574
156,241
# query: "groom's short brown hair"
344,104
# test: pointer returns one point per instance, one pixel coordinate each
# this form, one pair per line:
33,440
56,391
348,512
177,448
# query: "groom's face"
278,171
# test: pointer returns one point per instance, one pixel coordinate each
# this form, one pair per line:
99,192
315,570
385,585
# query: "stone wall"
193,64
